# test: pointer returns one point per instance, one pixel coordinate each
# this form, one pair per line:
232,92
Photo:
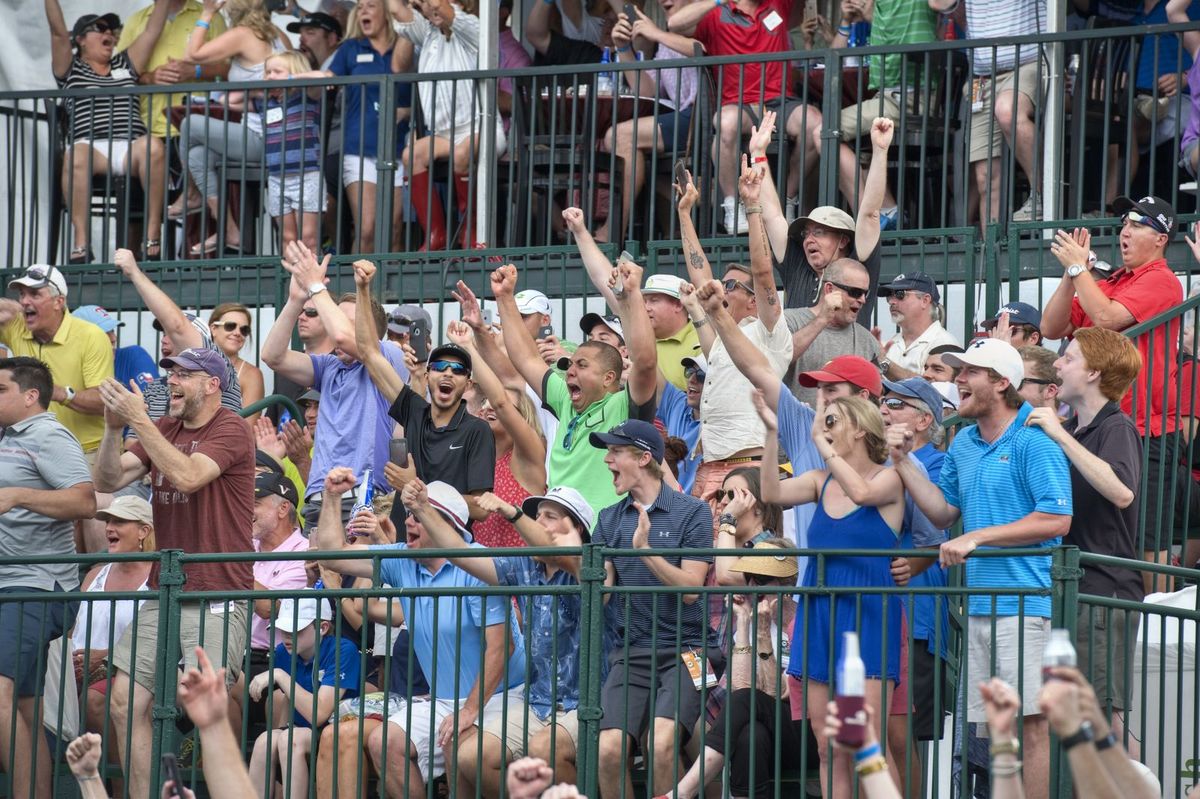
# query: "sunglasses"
732,283
853,292
98,27
453,367
311,313
722,494
895,404
758,579
1142,219
692,371
1038,382
229,327
831,419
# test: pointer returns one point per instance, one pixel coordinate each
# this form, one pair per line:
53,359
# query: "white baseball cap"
671,285
532,301
990,353
571,500
446,499
296,614
39,276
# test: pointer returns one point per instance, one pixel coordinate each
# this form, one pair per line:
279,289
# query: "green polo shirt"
574,461
672,349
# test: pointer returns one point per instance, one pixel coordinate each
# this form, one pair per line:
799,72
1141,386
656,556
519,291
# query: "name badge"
121,74
772,21
365,58
274,115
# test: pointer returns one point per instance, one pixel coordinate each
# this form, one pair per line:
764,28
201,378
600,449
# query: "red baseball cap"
852,369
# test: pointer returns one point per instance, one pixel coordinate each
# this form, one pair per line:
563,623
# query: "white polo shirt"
912,356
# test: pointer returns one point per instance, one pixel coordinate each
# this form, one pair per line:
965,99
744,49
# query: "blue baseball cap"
632,433
1019,313
918,388
98,317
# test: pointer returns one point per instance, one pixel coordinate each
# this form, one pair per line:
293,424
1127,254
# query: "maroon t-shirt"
216,518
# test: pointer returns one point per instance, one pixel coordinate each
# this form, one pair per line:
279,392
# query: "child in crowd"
292,144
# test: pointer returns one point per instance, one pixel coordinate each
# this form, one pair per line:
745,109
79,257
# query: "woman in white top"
447,35
209,141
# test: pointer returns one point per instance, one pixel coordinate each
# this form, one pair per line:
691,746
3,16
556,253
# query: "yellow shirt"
673,349
171,44
80,356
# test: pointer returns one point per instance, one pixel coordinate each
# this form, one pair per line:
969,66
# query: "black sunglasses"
692,371
853,292
721,494
98,27
1038,382
831,419
453,366
895,403
229,327
732,283
758,579
311,313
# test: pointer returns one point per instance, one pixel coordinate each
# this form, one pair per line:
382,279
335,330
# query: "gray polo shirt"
39,453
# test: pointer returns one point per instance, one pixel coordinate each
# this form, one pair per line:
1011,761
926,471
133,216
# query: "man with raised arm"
588,397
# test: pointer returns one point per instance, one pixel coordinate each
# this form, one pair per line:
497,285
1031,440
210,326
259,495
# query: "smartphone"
398,451
545,331
170,771
630,14
489,318
681,175
418,339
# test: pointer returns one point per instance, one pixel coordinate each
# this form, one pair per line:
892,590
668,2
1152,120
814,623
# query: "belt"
747,459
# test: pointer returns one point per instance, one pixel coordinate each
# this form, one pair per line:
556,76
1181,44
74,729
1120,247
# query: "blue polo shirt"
458,638
337,665
680,422
677,521
552,626
1021,472
360,129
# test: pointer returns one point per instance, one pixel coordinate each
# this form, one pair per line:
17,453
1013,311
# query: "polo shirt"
1146,291
800,280
681,422
80,356
1021,472
458,638
336,665
360,117
1098,526
39,453
727,30
677,521
574,461
172,43
354,409
277,575
990,20
552,624
730,422
912,356
462,453
684,343
898,22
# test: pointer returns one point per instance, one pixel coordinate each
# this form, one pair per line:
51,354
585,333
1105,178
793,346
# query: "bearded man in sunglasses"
1141,289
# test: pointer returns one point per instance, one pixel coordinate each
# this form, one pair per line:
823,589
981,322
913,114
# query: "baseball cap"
127,509
918,388
452,350
852,369
696,361
87,20
572,502
613,323
296,614
39,276
451,505
195,321
402,318
198,359
312,395
1019,313
991,353
316,19
766,563
633,433
825,215
1158,213
532,301
664,284
276,484
98,317
948,392
267,461
917,281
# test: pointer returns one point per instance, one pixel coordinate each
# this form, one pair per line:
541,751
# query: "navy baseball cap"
1019,313
918,388
632,433
917,281
198,359
274,483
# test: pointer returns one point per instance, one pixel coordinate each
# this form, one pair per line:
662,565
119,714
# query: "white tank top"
97,618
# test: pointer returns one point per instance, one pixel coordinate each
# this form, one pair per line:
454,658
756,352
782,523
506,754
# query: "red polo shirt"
1145,292
727,30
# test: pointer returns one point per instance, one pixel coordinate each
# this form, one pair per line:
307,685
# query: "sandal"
81,255
182,209
209,246
147,246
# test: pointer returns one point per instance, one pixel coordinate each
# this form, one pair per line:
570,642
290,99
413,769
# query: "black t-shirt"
1098,526
463,453
800,281
566,52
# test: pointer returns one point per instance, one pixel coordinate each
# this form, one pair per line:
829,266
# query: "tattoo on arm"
695,259
772,297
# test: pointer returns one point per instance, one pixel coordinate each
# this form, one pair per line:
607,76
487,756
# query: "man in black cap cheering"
320,35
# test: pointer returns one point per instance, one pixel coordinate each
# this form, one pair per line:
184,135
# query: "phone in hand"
545,331
418,339
681,173
170,771
489,317
398,451
630,13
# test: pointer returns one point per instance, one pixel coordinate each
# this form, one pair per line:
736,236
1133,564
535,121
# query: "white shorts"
356,169
518,728
1018,652
289,194
115,150
427,716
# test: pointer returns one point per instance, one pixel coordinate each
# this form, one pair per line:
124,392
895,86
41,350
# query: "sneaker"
889,220
727,205
1028,212
791,209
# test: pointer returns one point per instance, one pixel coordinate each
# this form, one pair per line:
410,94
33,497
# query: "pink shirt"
277,575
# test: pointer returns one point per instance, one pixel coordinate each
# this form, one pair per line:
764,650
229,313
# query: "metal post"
385,165
591,616
164,712
485,192
1053,121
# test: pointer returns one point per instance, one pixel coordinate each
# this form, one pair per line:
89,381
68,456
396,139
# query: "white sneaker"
1029,211
741,225
792,209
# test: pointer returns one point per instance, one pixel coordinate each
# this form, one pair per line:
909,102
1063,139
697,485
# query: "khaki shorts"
224,643
1101,635
1017,649
981,92
515,732
855,120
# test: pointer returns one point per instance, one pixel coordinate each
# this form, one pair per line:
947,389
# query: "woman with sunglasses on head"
860,505
230,328
757,665
743,519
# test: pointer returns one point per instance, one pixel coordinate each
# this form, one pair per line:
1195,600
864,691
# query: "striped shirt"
987,19
98,117
292,135
899,22
1019,473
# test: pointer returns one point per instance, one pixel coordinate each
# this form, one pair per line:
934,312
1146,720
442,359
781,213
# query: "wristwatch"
884,366
315,289
1084,735
70,392
1075,270
727,518
1107,742
518,514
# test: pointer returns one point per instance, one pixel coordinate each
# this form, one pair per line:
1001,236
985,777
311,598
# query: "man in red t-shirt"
1141,289
751,27
200,458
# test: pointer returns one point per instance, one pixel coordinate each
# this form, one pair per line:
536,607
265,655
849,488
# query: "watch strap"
517,515
1083,735
1107,742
